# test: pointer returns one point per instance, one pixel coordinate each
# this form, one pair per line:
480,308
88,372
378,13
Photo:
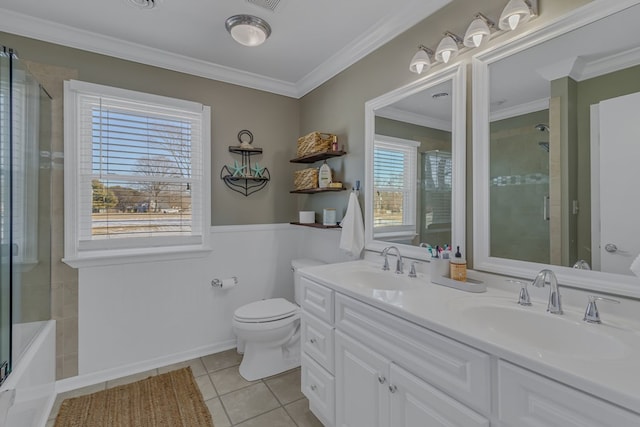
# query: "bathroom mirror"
556,125
415,165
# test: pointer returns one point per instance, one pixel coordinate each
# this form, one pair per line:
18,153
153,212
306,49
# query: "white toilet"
268,332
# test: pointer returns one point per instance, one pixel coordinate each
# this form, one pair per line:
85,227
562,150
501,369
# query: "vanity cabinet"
526,399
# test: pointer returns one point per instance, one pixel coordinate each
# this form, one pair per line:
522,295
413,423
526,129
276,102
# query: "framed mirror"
556,150
415,165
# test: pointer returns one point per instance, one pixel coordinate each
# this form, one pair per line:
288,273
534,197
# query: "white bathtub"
32,381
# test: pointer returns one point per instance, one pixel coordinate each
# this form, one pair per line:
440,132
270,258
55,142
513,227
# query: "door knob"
611,248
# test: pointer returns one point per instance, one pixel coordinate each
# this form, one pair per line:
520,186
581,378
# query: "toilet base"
260,362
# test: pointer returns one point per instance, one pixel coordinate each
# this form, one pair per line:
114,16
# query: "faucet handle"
385,266
523,297
412,270
591,314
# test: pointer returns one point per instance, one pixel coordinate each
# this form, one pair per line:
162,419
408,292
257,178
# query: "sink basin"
380,280
546,333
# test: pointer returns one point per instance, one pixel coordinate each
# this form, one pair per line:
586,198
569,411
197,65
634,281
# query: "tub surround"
493,332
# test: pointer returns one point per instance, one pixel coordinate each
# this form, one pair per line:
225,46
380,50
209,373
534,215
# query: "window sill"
133,256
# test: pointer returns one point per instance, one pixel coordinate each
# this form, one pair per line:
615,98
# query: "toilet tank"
296,264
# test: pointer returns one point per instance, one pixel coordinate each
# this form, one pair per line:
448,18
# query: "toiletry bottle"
458,266
334,143
439,266
324,175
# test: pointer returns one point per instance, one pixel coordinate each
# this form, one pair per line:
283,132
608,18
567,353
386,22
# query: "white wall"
137,316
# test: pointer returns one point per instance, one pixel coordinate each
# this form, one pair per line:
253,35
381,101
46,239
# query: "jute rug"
172,399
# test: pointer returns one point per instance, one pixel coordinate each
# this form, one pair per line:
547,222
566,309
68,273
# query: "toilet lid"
266,310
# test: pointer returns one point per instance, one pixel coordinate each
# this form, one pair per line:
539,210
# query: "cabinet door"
415,403
362,394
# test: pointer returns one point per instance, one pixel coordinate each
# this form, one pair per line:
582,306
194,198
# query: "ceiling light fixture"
248,30
421,61
478,31
144,4
448,47
517,12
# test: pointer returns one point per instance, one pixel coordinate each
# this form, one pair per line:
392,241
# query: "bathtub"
26,397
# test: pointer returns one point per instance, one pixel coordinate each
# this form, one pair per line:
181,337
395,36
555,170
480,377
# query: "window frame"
78,253
409,228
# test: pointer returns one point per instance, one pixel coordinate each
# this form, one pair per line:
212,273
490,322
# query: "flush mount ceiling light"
144,4
517,12
448,47
248,30
421,61
479,30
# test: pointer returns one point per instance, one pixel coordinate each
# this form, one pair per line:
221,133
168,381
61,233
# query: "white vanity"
381,349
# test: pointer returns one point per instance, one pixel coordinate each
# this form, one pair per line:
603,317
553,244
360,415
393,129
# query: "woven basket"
315,142
305,179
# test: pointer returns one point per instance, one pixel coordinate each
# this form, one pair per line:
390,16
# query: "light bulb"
446,55
477,40
419,68
514,20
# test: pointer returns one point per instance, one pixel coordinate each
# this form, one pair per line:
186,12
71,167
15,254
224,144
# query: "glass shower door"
5,213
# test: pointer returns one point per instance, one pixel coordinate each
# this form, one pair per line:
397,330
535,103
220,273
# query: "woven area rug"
172,399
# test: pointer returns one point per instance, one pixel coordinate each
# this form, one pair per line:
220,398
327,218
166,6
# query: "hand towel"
352,237
635,266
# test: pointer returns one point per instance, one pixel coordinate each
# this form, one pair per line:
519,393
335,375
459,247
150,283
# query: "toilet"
268,332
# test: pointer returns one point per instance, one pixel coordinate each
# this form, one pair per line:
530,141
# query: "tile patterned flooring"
271,402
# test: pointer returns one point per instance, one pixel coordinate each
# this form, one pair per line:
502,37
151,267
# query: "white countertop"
612,374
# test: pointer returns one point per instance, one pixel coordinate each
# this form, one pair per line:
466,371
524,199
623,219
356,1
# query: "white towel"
635,266
352,237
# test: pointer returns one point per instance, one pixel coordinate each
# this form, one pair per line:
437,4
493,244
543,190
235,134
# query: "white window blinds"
140,168
394,178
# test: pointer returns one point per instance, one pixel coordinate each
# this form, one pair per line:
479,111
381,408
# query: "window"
394,180
136,173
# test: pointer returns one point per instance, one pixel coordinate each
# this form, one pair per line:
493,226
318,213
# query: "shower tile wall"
64,279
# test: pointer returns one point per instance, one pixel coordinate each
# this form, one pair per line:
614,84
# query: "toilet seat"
268,310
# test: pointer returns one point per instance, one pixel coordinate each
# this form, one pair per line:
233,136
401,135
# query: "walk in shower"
25,216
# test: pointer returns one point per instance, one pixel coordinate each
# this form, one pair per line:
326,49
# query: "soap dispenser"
458,266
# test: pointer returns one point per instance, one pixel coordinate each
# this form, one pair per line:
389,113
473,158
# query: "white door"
362,394
619,172
415,403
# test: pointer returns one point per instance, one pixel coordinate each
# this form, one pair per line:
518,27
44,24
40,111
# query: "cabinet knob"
312,341
313,387
393,388
381,379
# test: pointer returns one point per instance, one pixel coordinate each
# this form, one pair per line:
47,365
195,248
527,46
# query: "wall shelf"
315,157
316,190
242,178
315,225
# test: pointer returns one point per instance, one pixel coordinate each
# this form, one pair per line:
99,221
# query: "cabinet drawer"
459,370
526,399
317,300
319,387
317,340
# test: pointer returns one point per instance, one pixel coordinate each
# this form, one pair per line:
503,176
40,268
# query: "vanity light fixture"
248,30
421,61
448,47
517,12
478,31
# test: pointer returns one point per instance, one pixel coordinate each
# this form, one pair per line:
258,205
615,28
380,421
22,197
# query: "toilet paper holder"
218,283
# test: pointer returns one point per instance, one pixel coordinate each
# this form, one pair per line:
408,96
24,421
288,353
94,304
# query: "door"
415,403
362,394
619,149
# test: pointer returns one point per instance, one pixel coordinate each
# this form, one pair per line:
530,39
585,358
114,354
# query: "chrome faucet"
547,276
591,314
384,253
582,265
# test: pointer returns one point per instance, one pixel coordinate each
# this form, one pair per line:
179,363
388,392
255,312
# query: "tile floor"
272,402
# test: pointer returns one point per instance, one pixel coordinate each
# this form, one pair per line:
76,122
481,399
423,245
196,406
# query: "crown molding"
518,110
609,64
413,118
385,30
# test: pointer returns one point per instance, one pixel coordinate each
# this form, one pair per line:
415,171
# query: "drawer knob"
393,388
313,387
381,379
312,341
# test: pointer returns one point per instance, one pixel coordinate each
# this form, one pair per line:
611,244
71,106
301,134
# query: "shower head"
542,127
544,145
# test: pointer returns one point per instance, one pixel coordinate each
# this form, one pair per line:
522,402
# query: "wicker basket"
305,179
315,142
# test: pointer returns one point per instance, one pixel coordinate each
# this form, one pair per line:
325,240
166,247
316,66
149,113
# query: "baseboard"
84,380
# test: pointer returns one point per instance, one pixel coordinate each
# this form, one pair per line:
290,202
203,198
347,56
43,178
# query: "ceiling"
311,41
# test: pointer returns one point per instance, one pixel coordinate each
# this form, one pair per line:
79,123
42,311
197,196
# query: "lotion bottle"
458,267
324,175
